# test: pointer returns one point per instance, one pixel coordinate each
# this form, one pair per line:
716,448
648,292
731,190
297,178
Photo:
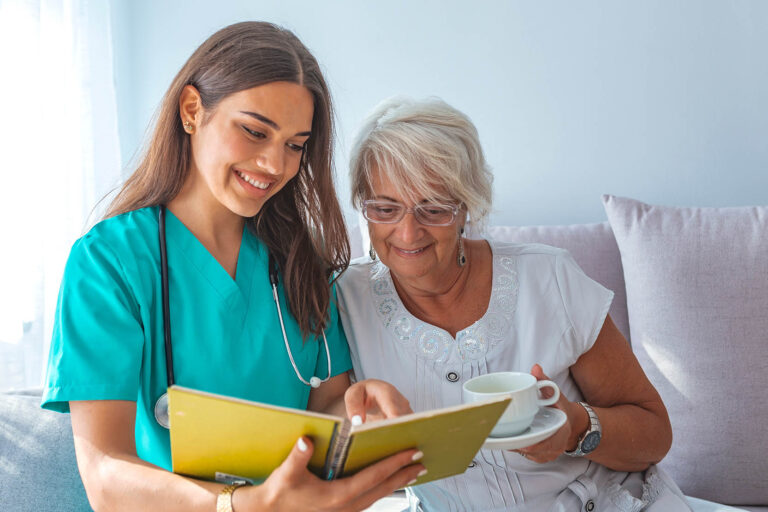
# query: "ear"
190,105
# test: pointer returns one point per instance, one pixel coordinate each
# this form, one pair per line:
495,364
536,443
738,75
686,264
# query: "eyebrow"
270,122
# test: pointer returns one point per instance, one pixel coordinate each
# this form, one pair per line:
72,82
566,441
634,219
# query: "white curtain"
59,154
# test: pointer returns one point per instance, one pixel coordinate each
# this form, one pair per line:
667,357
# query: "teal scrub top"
108,332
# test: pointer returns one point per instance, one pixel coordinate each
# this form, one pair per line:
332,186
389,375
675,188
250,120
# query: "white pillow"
697,299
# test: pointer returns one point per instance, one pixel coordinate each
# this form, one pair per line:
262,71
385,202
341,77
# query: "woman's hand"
566,438
373,399
292,487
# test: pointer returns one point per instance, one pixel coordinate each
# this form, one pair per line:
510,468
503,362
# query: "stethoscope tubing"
161,405
166,302
314,381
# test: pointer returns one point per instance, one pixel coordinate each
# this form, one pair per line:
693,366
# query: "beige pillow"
697,300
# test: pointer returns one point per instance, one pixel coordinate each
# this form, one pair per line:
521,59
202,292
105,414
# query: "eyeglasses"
391,212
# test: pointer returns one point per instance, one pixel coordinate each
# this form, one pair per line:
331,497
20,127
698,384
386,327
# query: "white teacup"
522,388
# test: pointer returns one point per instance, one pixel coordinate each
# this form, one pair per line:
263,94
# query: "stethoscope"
161,405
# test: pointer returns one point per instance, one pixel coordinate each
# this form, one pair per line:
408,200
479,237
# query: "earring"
188,126
372,253
461,259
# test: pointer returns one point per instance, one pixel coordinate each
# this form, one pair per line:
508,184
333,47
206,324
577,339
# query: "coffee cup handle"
548,384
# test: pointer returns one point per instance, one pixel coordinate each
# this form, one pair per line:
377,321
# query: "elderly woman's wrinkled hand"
554,446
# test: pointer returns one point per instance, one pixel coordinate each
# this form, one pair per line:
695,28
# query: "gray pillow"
38,470
697,297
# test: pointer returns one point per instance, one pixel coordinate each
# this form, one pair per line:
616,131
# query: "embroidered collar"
436,344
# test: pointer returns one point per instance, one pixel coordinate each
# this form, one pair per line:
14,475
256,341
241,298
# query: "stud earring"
188,127
372,253
461,258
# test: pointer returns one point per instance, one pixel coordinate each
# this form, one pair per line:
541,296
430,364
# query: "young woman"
234,190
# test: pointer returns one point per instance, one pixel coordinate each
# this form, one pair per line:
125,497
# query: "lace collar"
436,344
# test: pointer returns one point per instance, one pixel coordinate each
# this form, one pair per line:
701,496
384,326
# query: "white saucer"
545,423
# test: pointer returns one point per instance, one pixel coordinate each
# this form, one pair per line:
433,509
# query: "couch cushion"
697,291
38,470
591,245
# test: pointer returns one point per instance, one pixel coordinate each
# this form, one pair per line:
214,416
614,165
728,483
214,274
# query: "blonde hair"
428,150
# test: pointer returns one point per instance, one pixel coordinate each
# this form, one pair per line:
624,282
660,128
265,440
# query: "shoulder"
534,263
125,230
528,251
357,274
114,239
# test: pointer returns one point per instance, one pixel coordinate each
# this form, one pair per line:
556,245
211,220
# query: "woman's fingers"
293,487
399,480
374,395
389,400
550,448
354,400
295,464
562,402
384,477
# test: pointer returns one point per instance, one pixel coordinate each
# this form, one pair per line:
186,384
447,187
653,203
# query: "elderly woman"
432,309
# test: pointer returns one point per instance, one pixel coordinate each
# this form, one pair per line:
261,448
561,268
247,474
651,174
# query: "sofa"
691,296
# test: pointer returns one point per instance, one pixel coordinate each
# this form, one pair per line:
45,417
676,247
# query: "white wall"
662,100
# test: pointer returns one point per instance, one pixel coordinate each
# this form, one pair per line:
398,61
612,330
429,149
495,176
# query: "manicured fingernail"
411,482
302,445
418,455
422,473
356,420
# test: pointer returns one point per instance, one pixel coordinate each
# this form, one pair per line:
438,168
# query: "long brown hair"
302,225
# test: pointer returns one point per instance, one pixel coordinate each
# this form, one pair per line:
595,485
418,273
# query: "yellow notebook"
215,437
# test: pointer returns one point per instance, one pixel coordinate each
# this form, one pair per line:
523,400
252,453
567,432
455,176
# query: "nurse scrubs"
108,332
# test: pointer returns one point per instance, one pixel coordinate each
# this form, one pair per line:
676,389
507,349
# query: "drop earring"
372,253
461,258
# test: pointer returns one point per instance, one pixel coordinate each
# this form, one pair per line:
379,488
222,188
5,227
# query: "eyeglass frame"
453,207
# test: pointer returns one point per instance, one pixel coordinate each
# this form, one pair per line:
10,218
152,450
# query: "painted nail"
422,473
411,482
356,420
417,456
302,445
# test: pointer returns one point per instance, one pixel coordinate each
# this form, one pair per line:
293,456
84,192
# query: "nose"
271,158
409,228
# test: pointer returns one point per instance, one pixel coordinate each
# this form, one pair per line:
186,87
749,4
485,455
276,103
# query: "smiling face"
249,147
411,250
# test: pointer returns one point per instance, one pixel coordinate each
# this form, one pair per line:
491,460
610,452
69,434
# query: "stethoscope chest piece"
161,411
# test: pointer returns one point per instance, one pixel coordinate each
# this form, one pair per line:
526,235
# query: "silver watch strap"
594,426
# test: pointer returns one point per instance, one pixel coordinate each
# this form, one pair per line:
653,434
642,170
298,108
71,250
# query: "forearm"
336,407
122,482
633,437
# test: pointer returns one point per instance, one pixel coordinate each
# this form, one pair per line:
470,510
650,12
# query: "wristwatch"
224,499
591,438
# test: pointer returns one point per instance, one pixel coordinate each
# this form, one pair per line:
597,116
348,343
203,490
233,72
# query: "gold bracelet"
224,499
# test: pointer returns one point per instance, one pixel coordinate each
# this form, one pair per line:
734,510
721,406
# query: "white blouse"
543,309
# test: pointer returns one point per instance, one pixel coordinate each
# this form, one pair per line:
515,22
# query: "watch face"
590,442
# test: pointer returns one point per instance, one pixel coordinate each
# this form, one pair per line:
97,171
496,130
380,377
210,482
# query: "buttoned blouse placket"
444,363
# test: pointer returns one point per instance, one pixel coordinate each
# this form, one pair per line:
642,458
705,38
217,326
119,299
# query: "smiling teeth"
413,251
252,181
